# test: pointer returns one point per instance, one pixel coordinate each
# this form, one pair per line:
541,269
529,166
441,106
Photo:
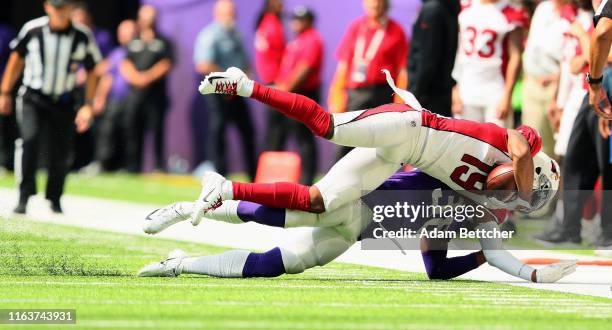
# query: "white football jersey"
481,57
461,153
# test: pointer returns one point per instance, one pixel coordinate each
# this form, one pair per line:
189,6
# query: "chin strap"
406,96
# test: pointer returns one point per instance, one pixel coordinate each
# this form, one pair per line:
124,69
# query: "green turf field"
150,189
53,266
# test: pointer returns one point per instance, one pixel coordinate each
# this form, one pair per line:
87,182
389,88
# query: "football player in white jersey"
577,21
488,60
460,153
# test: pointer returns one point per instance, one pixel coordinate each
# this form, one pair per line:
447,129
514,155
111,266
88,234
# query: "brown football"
501,179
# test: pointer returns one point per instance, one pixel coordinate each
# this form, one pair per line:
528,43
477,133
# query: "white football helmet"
546,180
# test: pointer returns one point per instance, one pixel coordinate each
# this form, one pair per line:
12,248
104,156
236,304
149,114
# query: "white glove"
553,273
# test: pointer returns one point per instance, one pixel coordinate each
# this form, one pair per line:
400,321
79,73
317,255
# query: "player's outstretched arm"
439,267
500,258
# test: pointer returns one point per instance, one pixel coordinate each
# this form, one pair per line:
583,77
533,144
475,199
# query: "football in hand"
501,183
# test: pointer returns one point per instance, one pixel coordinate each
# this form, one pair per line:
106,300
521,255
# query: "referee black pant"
223,109
43,122
588,156
144,112
8,135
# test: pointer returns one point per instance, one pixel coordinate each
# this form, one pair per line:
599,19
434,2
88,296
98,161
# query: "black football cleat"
20,208
56,207
556,237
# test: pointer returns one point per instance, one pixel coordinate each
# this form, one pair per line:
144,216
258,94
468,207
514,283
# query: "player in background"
332,233
577,22
488,62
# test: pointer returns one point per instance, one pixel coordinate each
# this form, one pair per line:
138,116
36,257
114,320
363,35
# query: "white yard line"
127,218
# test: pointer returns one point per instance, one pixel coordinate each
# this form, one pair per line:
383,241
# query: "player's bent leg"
316,247
356,174
386,125
360,171
321,245
383,126
238,212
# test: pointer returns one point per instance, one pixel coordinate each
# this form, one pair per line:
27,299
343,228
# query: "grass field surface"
54,266
149,189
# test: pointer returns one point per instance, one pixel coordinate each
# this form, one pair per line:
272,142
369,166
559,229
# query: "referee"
49,50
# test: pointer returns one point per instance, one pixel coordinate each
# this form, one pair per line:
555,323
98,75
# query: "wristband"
593,81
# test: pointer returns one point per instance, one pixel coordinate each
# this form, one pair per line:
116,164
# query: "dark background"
106,14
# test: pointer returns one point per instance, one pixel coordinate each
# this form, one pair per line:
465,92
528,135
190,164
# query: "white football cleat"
166,268
211,196
233,82
167,216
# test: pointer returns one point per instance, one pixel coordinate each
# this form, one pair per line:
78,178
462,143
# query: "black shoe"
558,237
20,208
56,207
604,243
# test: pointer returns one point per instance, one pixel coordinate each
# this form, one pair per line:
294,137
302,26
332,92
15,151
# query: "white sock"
246,88
226,264
227,190
227,212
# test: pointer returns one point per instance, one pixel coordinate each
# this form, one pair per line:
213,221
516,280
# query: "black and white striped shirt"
52,58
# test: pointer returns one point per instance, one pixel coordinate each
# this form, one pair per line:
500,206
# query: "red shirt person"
300,72
371,43
301,66
269,41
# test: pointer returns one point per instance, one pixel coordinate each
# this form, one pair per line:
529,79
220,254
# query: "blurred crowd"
502,61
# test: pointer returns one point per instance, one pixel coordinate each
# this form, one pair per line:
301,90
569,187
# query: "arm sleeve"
431,52
498,257
204,47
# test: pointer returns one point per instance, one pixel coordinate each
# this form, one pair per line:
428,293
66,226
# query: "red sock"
283,195
296,107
